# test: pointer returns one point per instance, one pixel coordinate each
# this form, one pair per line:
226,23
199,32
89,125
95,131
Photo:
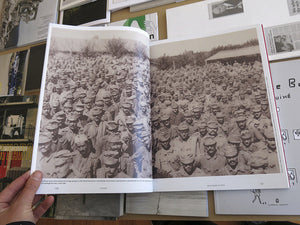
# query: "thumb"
31,187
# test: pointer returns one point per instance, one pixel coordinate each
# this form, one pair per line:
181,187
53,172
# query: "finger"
42,208
8,194
31,186
36,199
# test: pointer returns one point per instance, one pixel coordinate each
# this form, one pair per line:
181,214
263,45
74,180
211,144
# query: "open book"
209,100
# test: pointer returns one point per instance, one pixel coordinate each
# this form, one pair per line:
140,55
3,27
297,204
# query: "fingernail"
37,175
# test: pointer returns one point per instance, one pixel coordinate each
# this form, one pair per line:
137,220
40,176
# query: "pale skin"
17,200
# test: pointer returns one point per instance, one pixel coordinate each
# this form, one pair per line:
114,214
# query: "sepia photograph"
95,118
225,8
210,108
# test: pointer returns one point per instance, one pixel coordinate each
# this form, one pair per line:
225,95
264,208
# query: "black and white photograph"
210,108
294,7
283,41
225,8
95,119
89,14
25,22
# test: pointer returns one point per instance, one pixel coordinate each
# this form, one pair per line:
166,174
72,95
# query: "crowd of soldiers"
96,117
212,120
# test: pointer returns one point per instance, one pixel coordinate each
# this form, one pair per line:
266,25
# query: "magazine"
100,95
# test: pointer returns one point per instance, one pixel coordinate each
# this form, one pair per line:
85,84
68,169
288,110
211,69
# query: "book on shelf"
89,207
192,203
17,119
119,114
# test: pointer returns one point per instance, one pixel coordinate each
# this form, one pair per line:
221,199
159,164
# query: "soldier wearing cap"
52,128
184,140
258,162
95,128
165,159
46,113
84,160
273,165
82,119
110,167
63,161
176,117
265,108
166,126
70,131
55,107
234,140
60,117
213,130
45,155
233,165
212,162
223,125
116,93
241,125
188,118
203,129
188,166
155,132
88,104
67,108
109,107
197,114
114,144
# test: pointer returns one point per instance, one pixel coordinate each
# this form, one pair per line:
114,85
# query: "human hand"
17,200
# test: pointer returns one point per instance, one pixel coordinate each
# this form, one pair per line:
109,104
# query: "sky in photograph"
202,44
